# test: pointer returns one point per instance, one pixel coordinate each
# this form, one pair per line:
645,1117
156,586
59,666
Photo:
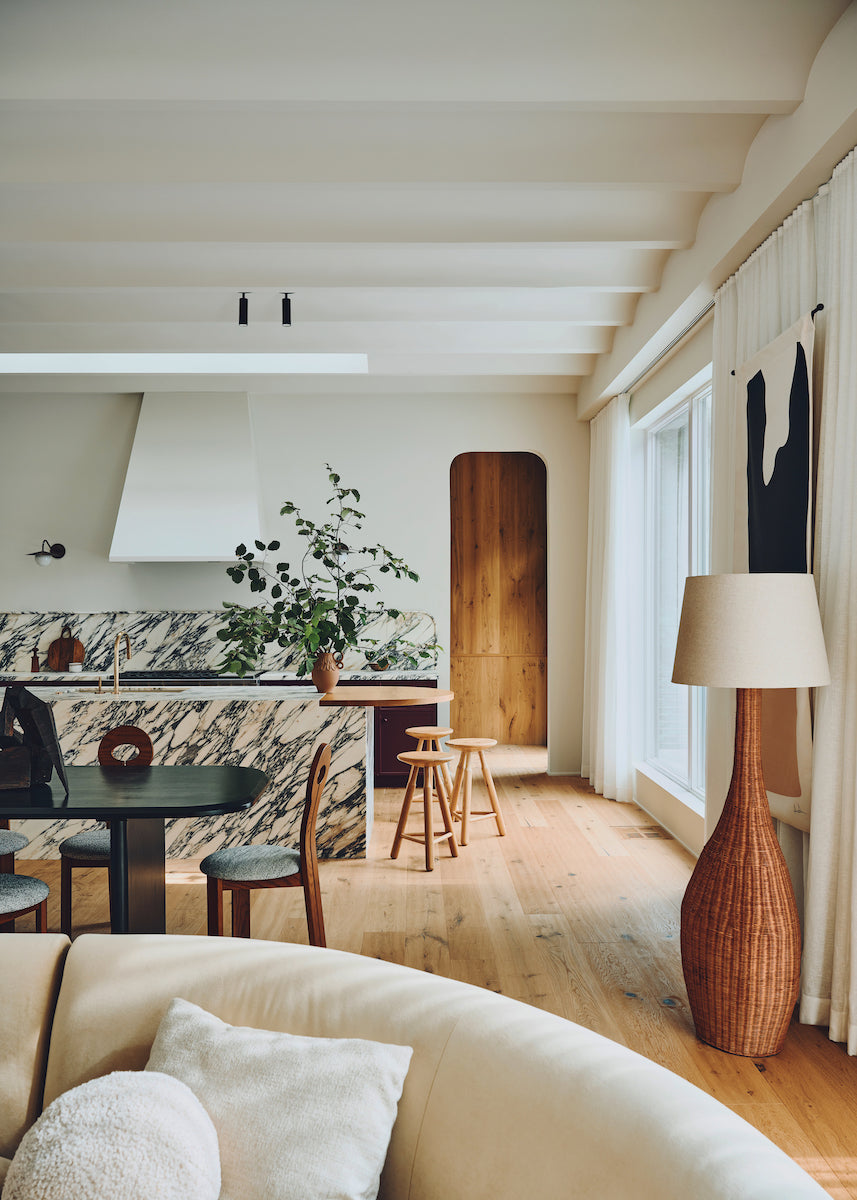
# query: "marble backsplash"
168,640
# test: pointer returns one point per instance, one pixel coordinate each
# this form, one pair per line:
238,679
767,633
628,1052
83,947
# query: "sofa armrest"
29,983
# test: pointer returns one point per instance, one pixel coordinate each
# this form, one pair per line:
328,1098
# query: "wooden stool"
428,738
431,763
464,775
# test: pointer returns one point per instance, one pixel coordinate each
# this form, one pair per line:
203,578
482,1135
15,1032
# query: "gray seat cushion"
11,842
20,891
246,863
93,845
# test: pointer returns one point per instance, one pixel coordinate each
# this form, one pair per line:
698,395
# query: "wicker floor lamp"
740,937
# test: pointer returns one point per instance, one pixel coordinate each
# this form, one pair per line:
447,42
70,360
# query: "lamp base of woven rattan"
740,935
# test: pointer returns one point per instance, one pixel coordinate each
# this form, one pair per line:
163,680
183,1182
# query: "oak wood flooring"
575,911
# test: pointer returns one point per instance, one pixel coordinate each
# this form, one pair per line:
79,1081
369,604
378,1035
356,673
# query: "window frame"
696,404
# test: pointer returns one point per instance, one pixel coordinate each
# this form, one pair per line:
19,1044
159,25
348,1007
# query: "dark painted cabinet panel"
391,740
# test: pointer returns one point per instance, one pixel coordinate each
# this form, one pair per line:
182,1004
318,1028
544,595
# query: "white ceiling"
475,193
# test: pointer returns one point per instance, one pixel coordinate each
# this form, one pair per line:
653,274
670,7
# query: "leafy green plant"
321,605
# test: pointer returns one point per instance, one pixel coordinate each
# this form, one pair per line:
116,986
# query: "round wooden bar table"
384,697
380,697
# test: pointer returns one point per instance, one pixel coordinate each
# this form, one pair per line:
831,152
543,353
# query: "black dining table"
137,802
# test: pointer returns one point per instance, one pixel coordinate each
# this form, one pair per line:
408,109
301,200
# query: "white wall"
63,460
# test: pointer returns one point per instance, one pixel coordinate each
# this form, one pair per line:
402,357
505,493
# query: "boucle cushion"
251,862
11,841
130,1135
298,1118
91,844
20,891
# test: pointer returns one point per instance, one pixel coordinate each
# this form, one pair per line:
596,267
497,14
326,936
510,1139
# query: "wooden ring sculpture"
125,735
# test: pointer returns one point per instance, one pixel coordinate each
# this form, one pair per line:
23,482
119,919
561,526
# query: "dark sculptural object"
30,753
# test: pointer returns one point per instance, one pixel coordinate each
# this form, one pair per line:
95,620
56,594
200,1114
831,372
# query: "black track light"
287,309
242,309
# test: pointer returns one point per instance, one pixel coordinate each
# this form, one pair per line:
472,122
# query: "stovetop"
184,675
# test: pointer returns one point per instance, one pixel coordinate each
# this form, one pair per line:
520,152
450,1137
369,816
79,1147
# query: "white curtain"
774,287
811,258
607,683
829,978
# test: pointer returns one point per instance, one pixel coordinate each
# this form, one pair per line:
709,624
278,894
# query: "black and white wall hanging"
773,533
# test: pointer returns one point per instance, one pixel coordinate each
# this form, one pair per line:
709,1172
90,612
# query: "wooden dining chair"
242,869
91,847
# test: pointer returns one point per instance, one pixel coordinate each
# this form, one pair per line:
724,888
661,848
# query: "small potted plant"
319,607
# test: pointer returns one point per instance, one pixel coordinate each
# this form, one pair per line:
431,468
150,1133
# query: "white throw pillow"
130,1135
298,1118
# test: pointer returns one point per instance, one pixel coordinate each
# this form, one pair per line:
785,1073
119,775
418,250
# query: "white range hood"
191,491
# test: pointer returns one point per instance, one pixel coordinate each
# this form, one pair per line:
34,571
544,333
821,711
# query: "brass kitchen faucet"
116,641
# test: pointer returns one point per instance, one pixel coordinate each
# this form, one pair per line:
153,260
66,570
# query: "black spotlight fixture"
242,309
287,309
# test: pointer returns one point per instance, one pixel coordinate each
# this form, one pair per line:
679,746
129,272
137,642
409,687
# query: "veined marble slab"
276,729
170,640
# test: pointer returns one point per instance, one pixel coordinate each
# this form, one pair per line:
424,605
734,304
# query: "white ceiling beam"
571,366
328,337
190,304
383,213
288,265
242,144
404,386
545,50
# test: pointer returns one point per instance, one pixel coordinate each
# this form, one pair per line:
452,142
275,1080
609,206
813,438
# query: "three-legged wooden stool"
431,763
429,738
460,805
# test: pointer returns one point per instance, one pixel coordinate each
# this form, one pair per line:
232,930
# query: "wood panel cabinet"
498,603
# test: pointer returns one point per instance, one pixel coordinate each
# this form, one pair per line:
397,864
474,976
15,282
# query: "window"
677,483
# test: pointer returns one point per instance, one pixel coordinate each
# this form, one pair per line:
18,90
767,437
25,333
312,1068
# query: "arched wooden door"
498,609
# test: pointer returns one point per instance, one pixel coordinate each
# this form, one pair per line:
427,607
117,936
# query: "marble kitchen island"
275,729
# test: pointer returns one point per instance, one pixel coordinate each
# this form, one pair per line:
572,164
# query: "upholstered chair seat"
247,863
19,895
92,845
11,842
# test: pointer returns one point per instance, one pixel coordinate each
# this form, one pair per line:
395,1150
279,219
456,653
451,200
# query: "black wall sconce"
242,309
47,553
287,309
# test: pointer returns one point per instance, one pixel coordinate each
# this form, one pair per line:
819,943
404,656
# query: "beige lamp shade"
750,631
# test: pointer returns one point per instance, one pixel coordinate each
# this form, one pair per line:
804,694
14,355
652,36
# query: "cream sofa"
501,1099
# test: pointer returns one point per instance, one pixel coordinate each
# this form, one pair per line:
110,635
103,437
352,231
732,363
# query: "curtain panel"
607,679
812,257
829,980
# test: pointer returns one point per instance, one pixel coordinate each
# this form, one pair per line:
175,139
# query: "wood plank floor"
575,911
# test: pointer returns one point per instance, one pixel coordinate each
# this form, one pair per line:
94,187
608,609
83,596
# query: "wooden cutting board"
64,650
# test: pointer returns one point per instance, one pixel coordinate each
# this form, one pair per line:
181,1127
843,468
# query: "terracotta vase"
325,672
